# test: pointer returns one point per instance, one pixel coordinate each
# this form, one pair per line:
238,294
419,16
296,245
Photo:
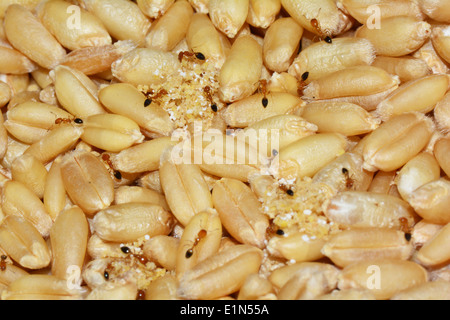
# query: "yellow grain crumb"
131,268
297,206
134,266
190,94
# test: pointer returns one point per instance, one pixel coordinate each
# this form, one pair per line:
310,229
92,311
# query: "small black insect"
290,192
302,84
328,39
214,107
263,89
125,250
78,120
3,262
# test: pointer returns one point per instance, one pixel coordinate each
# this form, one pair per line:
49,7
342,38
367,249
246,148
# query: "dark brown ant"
107,159
3,262
316,25
302,83
151,95
200,56
68,120
263,89
62,120
349,182
207,91
201,234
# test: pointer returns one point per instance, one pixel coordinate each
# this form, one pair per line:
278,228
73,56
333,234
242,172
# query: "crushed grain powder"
184,96
302,211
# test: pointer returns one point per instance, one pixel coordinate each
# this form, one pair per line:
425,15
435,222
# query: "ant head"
202,233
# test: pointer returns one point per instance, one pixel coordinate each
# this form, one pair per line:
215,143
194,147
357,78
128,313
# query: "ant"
201,234
107,159
289,192
316,25
302,83
3,262
150,96
405,227
263,89
207,91
271,230
67,120
198,55
349,182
